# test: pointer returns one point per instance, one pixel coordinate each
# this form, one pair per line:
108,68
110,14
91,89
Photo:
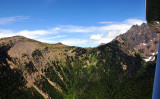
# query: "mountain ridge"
41,70
142,41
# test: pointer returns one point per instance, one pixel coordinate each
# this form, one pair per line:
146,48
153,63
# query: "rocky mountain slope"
30,69
142,40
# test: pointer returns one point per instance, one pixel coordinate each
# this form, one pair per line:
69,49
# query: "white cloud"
113,30
46,41
50,39
104,40
115,27
33,34
99,38
112,34
30,34
134,21
120,27
96,37
106,33
59,36
74,29
74,41
6,33
109,22
8,20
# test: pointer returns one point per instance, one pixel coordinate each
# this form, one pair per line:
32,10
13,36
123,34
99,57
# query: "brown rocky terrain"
142,40
57,71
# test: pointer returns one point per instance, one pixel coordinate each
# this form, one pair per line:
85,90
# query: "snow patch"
153,54
148,59
143,44
152,59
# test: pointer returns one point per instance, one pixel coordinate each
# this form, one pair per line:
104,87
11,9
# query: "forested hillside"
30,69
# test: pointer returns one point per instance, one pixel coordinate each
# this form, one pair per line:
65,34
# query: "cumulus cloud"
104,40
8,20
96,37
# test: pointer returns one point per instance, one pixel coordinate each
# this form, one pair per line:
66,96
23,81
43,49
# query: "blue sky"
85,23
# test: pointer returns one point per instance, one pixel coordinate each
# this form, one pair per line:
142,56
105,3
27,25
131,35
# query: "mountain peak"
57,71
141,39
59,43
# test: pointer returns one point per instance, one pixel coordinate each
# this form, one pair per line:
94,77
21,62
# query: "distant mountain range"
121,69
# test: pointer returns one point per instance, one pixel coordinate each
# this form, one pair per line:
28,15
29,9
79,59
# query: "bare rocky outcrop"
142,40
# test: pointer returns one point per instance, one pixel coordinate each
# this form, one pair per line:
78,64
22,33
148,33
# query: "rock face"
142,41
115,70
